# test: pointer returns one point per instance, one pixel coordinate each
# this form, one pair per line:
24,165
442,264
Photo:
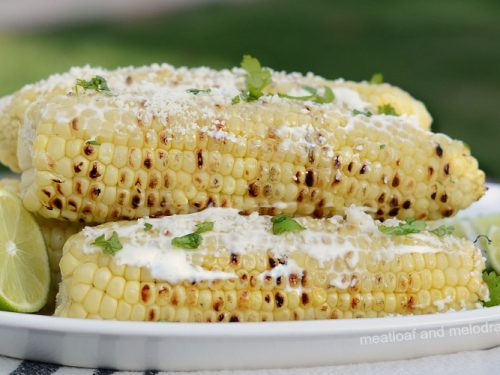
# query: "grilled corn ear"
360,96
144,149
334,268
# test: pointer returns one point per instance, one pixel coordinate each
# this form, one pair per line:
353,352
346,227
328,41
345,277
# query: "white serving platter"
196,346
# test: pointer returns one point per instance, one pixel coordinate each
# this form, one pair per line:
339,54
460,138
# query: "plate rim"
362,326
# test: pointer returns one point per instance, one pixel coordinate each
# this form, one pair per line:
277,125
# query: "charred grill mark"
293,280
448,212
128,80
136,201
406,205
58,203
349,167
74,124
253,189
235,259
88,149
78,188
304,298
153,182
234,319
430,170
151,315
446,169
72,205
394,202
395,181
272,262
280,300
381,198
78,167
439,150
337,161
444,198
310,177
95,192
311,156
199,155
364,169
94,172
148,162
394,211
151,200
433,195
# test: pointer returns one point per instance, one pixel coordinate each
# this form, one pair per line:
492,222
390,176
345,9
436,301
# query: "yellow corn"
335,268
55,233
150,147
12,109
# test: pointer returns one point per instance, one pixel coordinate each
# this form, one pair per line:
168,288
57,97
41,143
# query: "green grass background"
446,52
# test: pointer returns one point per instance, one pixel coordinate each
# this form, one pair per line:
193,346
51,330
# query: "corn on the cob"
153,150
55,233
363,94
335,268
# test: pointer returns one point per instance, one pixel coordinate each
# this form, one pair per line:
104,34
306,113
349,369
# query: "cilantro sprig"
356,112
198,91
327,97
147,227
412,226
193,240
98,84
109,246
377,78
283,224
387,109
258,78
493,281
92,142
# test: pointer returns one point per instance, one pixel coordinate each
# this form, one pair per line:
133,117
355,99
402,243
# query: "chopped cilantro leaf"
377,78
98,84
92,142
382,146
193,240
355,112
443,230
387,109
147,227
257,79
493,281
407,227
206,226
283,224
189,241
327,96
236,99
110,246
197,91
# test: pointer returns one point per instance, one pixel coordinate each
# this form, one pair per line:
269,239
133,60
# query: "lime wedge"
493,248
24,264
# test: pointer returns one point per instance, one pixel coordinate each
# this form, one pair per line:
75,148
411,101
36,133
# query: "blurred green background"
446,53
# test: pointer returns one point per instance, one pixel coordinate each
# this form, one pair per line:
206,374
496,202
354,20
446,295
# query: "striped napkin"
474,362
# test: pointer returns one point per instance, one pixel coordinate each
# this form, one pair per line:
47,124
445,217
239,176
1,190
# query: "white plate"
189,346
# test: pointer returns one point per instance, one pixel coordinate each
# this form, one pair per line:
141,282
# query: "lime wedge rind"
24,263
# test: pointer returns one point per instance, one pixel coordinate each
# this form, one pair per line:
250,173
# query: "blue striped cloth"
475,362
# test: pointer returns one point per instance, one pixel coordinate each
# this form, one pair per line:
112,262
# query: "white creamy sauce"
349,98
237,234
